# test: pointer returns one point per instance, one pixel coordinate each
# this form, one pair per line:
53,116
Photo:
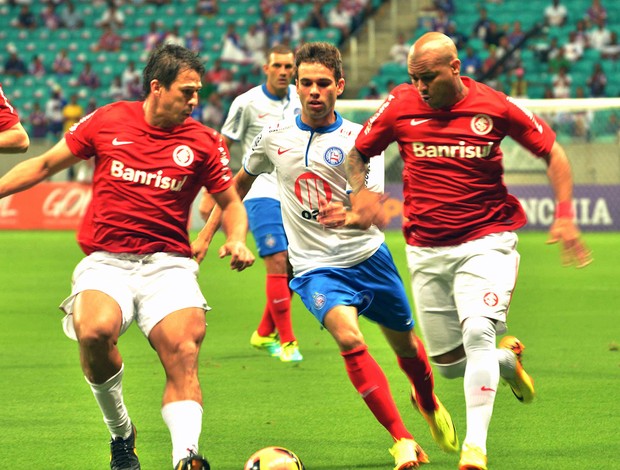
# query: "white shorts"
452,283
146,287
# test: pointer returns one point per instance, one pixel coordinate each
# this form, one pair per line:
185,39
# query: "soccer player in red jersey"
459,220
13,136
151,160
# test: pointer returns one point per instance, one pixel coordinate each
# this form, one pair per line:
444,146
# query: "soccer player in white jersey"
151,159
459,220
272,101
341,273
13,136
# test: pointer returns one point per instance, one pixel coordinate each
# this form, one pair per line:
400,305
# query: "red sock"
279,300
266,325
370,381
420,374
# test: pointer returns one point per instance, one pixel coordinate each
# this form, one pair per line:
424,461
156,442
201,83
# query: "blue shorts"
265,220
374,287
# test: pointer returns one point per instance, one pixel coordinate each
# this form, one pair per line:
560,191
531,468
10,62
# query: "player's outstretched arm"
564,230
228,212
30,172
14,140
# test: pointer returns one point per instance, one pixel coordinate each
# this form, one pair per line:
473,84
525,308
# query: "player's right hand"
368,208
574,250
331,214
240,255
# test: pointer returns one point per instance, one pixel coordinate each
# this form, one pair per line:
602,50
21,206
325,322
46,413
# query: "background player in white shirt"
341,273
151,159
459,220
274,100
13,136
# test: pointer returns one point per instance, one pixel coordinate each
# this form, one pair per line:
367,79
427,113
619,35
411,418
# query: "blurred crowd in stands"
564,51
556,49
234,58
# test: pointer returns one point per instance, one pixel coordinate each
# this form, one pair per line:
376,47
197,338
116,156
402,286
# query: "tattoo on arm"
356,166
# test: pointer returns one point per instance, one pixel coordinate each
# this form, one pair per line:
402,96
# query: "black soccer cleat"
193,462
123,454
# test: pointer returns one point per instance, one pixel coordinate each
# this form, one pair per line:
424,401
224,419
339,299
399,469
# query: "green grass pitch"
568,319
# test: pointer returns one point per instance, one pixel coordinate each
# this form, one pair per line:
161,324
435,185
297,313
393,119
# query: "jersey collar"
275,97
321,130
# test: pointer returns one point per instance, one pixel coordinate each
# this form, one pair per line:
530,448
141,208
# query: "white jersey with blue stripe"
248,114
309,165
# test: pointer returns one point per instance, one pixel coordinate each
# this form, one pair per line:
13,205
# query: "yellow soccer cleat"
472,458
270,343
441,425
407,453
522,384
290,352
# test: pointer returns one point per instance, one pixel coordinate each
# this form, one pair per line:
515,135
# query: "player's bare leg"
97,322
177,340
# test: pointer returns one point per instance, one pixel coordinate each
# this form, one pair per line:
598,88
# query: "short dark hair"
280,49
322,53
165,63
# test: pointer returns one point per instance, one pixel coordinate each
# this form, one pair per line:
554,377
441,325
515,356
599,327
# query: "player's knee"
182,353
349,340
96,335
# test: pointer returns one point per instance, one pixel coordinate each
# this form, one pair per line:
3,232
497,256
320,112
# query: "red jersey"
145,179
8,114
453,180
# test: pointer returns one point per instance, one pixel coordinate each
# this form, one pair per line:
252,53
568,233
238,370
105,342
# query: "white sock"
507,363
109,396
481,378
184,420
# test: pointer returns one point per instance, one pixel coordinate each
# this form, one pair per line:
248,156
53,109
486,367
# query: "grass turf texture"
568,320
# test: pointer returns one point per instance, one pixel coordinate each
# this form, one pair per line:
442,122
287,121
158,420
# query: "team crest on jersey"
481,124
334,156
183,155
319,300
490,299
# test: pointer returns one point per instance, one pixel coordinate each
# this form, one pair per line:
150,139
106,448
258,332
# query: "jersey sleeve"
217,176
234,126
529,130
256,161
8,114
378,132
80,137
375,178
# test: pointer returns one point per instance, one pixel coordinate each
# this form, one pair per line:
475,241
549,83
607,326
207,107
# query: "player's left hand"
240,255
574,250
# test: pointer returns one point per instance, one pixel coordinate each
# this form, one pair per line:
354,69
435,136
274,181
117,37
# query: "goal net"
589,131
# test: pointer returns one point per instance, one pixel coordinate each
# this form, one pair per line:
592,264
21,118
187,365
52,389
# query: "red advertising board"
47,206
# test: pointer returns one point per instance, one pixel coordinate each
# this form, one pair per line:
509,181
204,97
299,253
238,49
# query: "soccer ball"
274,458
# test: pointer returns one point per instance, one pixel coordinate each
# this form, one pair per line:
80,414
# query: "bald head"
433,47
435,70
